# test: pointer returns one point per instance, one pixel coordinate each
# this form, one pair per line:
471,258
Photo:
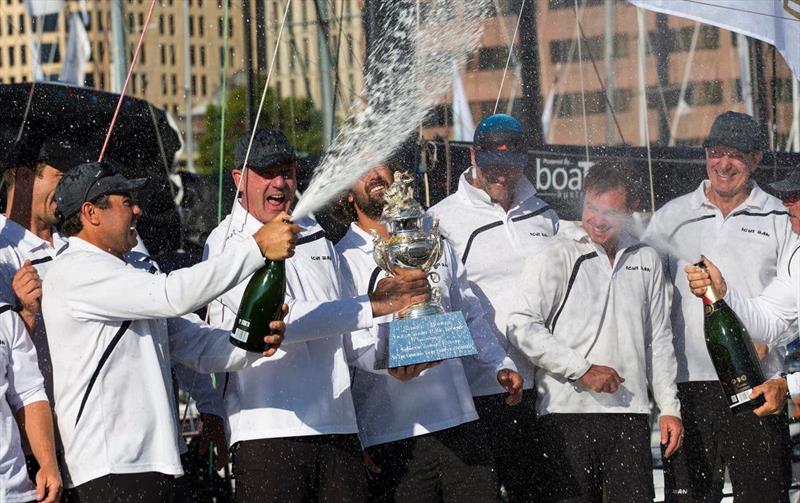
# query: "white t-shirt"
304,389
440,397
575,309
21,384
492,245
128,421
747,245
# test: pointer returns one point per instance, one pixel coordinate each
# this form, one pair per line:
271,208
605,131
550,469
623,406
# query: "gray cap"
270,147
789,185
737,130
89,181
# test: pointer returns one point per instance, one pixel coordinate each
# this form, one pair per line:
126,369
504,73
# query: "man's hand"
602,379
395,293
512,382
700,279
775,393
408,372
48,484
671,434
212,434
277,334
276,238
28,288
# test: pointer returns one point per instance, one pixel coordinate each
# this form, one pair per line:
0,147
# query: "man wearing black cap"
292,422
494,221
730,220
117,324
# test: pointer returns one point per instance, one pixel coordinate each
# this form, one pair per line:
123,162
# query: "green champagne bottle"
731,351
261,304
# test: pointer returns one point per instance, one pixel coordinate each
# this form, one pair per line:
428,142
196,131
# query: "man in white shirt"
291,418
493,221
770,318
117,324
22,395
592,316
733,222
422,435
28,245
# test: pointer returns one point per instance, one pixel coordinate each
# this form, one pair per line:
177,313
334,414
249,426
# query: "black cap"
56,151
737,130
499,141
787,186
270,147
89,181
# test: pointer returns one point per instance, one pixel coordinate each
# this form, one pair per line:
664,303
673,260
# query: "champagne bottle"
261,304
731,351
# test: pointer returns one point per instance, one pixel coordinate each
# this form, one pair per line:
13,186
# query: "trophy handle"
380,252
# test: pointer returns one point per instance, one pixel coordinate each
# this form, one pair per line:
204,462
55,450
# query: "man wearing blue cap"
493,221
732,221
117,324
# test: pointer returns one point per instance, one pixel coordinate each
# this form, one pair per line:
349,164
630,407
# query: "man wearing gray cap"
117,324
730,220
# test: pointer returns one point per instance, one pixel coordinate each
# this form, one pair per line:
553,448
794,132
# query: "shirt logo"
540,234
321,257
642,268
759,232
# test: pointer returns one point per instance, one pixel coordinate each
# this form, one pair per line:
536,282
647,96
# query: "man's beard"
370,206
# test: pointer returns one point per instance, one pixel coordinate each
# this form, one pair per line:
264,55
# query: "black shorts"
756,451
150,487
453,465
300,469
511,432
597,457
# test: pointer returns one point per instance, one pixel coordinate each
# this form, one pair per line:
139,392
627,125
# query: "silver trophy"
410,245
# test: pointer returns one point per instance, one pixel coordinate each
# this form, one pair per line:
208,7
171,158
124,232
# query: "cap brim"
116,184
786,186
267,162
716,142
501,159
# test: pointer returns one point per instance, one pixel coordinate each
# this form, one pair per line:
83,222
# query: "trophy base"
408,341
420,310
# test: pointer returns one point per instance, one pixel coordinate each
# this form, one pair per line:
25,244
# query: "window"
174,82
142,54
220,25
161,24
88,81
569,4
202,55
171,23
172,54
201,29
50,23
130,21
144,83
163,84
163,54
11,60
304,10
708,92
194,85
191,55
141,22
101,52
23,55
133,83
203,85
571,103
592,47
22,24
680,39
100,25
191,26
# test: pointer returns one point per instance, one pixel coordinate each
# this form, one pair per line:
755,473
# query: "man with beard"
29,242
421,436
728,219
493,221
592,316
292,422
117,324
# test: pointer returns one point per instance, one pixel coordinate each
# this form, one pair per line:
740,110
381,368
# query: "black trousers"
597,457
511,432
452,465
756,451
321,468
150,487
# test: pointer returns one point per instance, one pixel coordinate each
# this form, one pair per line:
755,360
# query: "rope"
223,108
583,87
27,111
128,78
508,59
258,116
642,74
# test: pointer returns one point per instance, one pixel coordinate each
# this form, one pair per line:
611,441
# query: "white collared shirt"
746,245
492,245
576,309
128,424
440,397
21,384
304,389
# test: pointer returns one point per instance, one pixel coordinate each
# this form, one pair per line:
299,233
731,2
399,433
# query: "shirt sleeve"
539,289
463,299
203,348
662,368
25,381
126,293
208,399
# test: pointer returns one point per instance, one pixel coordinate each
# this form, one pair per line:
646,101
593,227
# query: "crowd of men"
584,331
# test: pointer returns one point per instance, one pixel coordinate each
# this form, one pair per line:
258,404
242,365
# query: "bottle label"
740,398
241,329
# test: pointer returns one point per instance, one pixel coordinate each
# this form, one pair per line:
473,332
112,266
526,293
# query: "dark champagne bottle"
732,352
261,304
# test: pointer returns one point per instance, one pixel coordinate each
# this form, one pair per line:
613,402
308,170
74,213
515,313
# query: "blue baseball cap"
499,141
